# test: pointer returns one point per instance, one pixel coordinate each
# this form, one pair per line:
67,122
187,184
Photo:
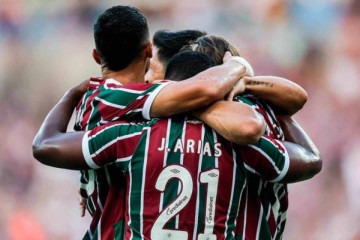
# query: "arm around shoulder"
199,91
52,145
305,157
236,122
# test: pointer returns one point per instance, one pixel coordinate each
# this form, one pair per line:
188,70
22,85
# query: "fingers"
230,95
246,64
82,203
238,88
227,56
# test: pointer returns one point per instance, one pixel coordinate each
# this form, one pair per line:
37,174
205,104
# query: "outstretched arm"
51,146
286,97
305,158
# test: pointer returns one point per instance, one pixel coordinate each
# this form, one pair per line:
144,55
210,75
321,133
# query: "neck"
134,73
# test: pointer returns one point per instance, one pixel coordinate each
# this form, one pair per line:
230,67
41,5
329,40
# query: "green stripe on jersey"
271,150
208,161
175,142
137,164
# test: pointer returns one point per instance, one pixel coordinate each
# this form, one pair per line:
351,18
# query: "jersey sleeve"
272,128
113,101
127,102
267,158
112,143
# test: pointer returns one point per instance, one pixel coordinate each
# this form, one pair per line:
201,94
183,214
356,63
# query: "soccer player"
178,147
264,207
111,97
183,179
122,49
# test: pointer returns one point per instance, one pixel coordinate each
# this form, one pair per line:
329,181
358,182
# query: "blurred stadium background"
45,48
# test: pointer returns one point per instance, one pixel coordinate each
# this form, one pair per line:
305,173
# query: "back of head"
170,42
121,33
213,46
187,64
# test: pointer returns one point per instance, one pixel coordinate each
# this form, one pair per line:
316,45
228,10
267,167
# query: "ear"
148,50
96,56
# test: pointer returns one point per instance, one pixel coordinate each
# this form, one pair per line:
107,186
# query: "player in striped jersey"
183,179
264,207
122,49
178,148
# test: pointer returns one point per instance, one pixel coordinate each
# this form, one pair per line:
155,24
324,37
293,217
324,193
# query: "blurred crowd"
46,48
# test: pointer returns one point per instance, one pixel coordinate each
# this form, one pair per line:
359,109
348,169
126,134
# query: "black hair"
187,64
120,34
170,42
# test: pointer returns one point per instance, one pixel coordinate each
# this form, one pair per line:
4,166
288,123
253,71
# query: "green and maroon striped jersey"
108,100
264,204
184,181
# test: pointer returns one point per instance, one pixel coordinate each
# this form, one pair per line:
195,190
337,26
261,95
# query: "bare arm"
237,122
285,96
198,91
305,158
51,146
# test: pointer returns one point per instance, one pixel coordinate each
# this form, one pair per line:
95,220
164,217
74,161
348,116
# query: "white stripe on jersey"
149,101
124,159
198,187
148,130
109,103
259,222
164,160
232,196
86,151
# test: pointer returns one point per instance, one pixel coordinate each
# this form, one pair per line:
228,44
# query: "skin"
55,147
177,97
156,68
286,98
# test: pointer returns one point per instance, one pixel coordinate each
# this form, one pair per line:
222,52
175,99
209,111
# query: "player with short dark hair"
178,144
120,31
123,50
187,64
183,179
166,44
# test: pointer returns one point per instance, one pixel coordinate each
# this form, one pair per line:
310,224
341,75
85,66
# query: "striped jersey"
263,209
108,100
184,181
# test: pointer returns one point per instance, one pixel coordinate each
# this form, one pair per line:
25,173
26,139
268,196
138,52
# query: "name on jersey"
192,146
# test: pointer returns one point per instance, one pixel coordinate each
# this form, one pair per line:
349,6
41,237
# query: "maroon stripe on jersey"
259,163
95,83
120,149
111,112
138,86
226,178
114,210
152,196
268,120
191,161
84,121
253,212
